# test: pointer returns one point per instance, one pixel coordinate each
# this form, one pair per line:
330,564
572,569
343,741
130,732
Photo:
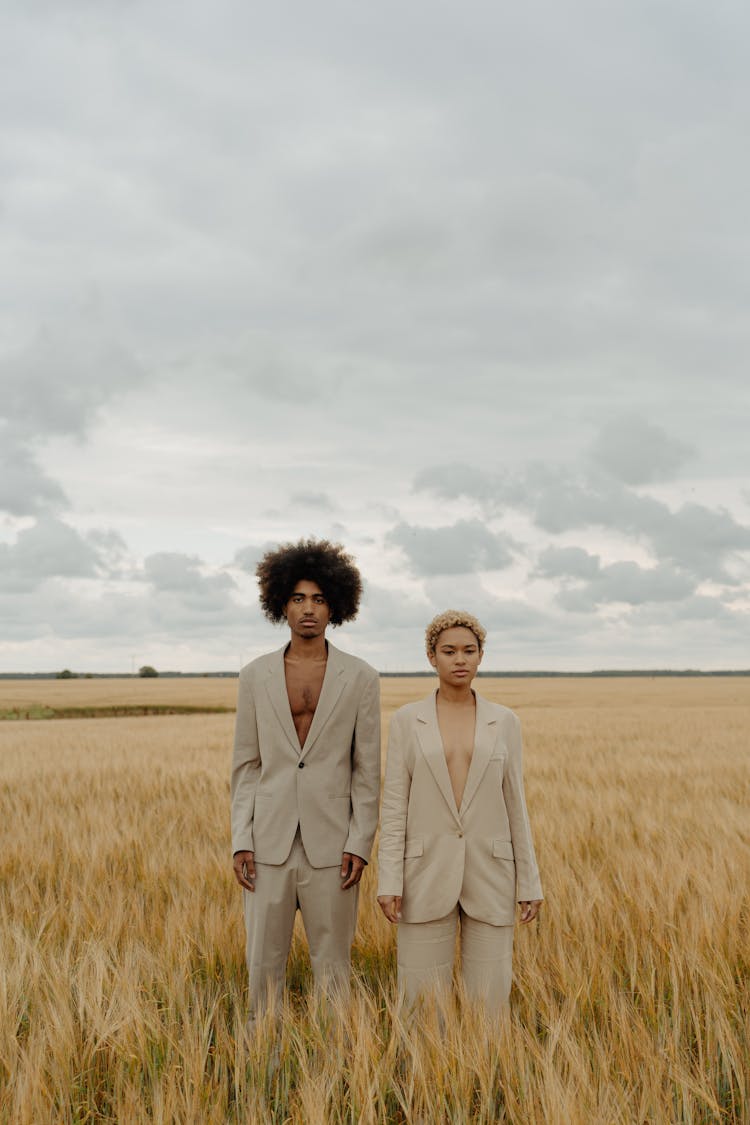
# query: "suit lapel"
431,743
485,737
276,687
333,684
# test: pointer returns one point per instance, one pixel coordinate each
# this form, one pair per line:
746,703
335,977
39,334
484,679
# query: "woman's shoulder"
497,711
418,708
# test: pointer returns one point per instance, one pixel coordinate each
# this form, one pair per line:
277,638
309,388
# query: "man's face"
307,612
457,656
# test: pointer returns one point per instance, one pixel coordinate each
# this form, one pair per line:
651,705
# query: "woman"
455,841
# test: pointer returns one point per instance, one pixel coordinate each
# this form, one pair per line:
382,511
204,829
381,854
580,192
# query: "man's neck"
314,650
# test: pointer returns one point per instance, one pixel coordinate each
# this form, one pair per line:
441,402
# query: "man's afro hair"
311,560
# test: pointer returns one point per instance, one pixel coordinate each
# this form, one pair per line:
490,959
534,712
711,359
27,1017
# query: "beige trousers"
329,916
425,959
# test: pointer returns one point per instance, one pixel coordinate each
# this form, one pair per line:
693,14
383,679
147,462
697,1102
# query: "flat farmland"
210,692
121,942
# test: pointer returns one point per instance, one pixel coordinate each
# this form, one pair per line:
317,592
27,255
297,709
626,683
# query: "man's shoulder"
354,663
261,664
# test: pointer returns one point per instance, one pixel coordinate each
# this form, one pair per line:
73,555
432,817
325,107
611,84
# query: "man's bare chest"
304,684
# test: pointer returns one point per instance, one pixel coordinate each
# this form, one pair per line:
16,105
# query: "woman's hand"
391,906
529,910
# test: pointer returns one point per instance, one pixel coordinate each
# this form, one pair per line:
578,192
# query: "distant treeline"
602,673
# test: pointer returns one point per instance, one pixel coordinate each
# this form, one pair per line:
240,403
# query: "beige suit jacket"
436,855
330,786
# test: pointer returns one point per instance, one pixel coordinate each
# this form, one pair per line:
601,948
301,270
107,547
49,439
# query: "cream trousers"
426,952
329,916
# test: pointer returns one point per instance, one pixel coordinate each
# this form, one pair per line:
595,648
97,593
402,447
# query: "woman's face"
457,656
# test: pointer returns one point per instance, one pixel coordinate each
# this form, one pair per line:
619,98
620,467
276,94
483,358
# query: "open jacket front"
436,855
329,786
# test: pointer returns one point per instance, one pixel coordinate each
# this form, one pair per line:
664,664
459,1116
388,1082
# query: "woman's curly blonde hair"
449,620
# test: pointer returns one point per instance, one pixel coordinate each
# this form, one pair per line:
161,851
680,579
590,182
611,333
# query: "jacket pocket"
502,849
413,847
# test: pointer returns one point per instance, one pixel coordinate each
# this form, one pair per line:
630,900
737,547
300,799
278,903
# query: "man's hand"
244,869
391,907
352,867
529,910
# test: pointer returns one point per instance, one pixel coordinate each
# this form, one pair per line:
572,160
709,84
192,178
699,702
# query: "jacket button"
301,766
460,835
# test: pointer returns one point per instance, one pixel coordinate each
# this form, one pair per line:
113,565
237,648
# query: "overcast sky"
463,287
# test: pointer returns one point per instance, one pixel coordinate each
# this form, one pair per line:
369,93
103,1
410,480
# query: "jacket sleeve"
246,765
393,813
365,783
528,885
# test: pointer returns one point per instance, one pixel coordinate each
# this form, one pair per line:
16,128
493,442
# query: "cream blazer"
435,855
330,786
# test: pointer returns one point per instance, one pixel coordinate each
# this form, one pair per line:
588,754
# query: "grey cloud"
638,452
456,549
176,573
25,489
630,583
49,548
573,562
623,581
185,600
273,279
110,547
693,537
247,558
61,380
54,387
491,491
319,500
408,246
699,609
451,482
112,617
703,539
383,608
561,500
503,617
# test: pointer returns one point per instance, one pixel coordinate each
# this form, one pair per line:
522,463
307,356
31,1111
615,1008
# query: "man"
305,773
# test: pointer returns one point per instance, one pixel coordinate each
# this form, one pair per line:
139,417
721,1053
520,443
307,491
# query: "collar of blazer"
431,742
333,684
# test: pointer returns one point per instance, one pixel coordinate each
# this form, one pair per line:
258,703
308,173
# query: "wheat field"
121,941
